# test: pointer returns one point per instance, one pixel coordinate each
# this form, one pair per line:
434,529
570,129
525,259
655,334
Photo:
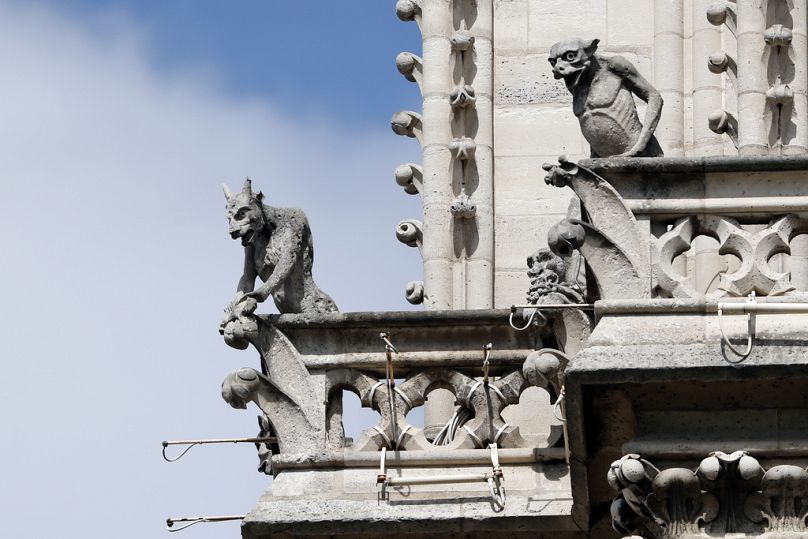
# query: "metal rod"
763,308
192,443
554,306
439,479
417,458
196,520
267,440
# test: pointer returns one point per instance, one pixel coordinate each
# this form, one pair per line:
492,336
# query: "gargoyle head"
570,58
245,213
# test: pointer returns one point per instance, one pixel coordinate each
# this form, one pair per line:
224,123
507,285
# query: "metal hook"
557,406
750,331
196,520
192,443
486,364
178,457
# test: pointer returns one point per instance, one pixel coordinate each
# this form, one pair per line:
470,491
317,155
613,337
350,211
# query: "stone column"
707,87
479,279
669,73
436,30
799,50
752,81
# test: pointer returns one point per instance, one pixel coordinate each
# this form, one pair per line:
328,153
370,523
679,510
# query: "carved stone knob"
405,174
462,41
409,232
717,121
717,62
780,94
405,123
565,237
407,10
463,148
778,35
463,208
415,292
717,13
406,62
462,96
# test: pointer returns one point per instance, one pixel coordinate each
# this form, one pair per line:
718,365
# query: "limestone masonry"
614,341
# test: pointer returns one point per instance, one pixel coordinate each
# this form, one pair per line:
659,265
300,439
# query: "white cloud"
116,264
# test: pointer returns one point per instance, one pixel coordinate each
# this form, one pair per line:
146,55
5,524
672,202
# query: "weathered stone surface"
278,249
602,91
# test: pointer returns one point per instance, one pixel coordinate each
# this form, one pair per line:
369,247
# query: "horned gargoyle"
278,249
602,99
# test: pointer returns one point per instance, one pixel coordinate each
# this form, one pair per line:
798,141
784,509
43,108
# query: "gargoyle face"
245,215
571,57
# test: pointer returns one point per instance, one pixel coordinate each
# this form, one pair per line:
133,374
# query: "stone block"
527,79
520,188
510,288
553,20
629,23
510,24
519,236
537,130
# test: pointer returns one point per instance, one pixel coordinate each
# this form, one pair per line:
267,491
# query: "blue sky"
315,55
118,123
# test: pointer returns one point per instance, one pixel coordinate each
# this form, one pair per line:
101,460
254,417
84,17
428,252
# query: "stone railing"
308,361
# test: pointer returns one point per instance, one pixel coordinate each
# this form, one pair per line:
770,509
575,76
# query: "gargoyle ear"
591,46
259,196
227,192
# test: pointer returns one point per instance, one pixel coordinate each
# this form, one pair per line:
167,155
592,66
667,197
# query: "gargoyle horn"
227,192
247,189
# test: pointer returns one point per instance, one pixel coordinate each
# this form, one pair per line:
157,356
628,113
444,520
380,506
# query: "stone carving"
410,177
754,249
463,207
782,502
727,494
297,432
731,478
549,274
407,124
278,249
415,292
411,66
602,89
611,243
410,232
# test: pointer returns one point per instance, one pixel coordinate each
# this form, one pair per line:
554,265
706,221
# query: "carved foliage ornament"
727,494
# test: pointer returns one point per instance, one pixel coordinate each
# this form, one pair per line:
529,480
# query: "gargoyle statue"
602,100
278,249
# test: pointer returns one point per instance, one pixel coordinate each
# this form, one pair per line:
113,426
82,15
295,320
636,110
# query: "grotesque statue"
278,249
602,99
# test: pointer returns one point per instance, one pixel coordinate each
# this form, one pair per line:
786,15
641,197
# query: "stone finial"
602,89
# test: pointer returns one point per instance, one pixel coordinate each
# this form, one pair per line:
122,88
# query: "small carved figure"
278,249
602,100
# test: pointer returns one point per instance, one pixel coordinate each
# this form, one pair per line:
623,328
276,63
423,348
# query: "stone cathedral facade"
614,334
